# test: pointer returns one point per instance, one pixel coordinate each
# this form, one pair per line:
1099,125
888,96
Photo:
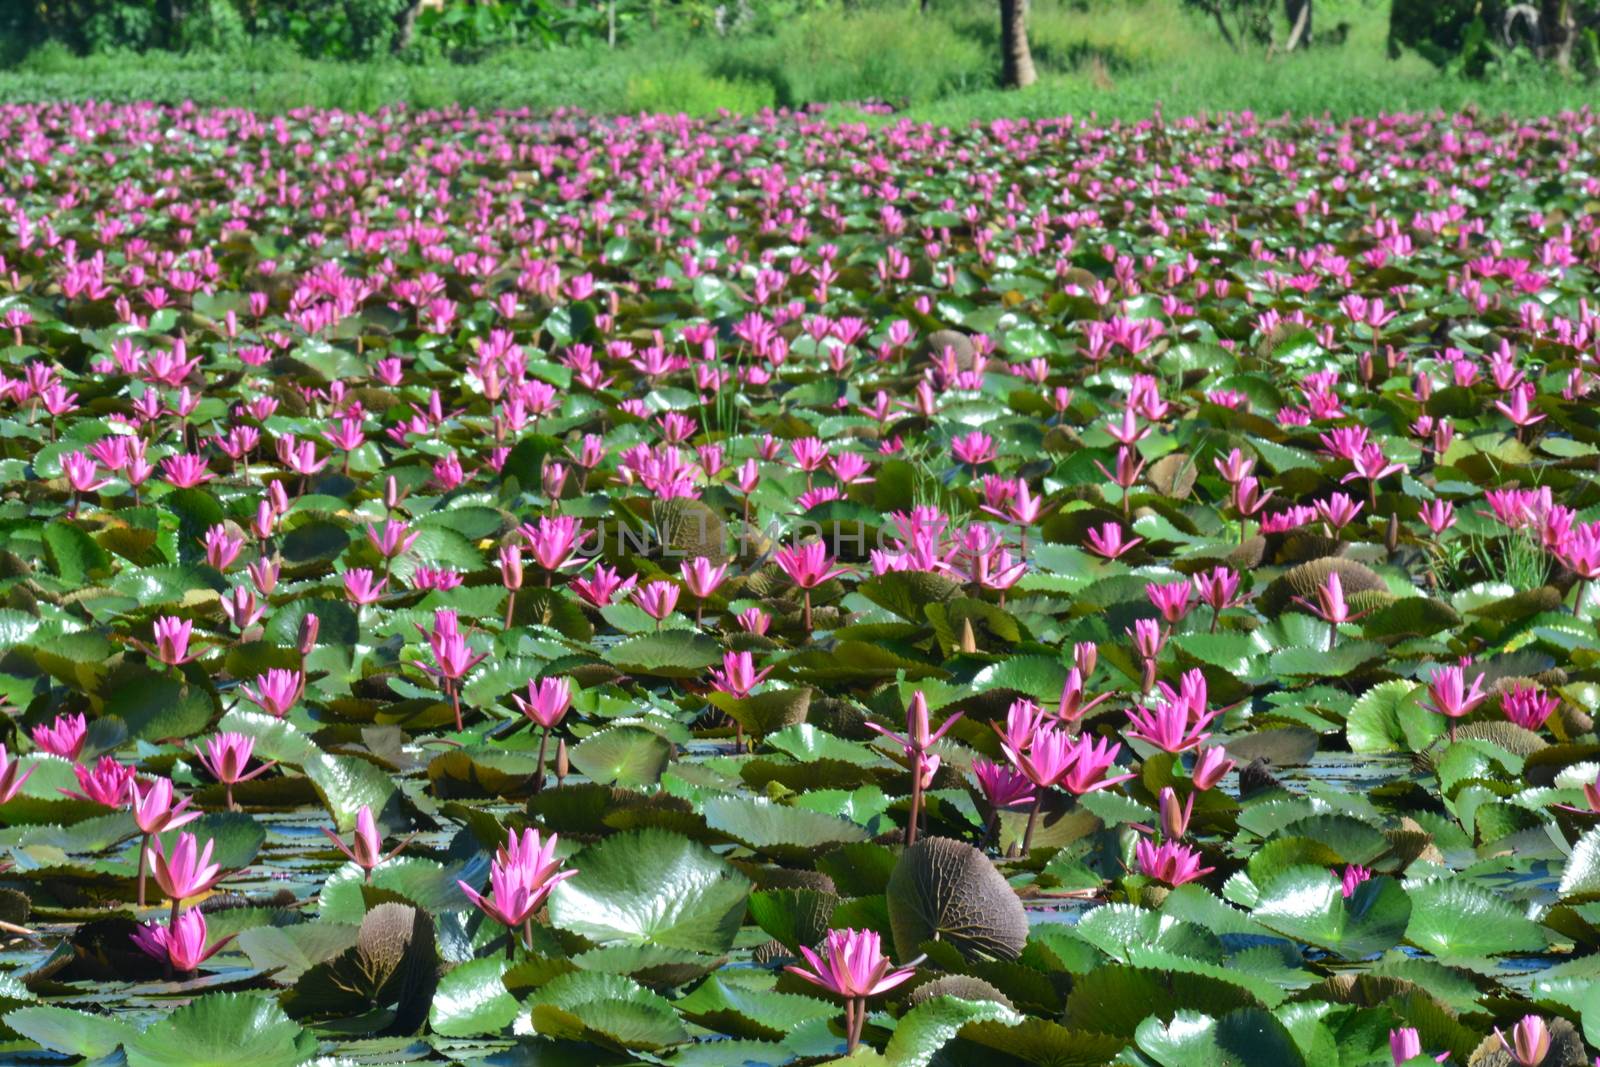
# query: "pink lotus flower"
1171,599
82,473
916,743
1050,754
1175,816
241,608
276,691
1087,773
1002,785
1438,515
1211,765
700,577
226,756
183,947
603,586
12,776
153,809
974,449
1107,541
299,456
64,737
754,620
657,599
106,783
1023,720
172,640
427,578
222,548
808,565
1520,408
188,872
738,675
1331,607
366,847
452,656
522,875
264,574
361,587
1450,696
1354,874
1072,706
1218,589
1169,862
186,471
393,540
1527,706
1405,1045
547,702
852,965
1530,1041
553,541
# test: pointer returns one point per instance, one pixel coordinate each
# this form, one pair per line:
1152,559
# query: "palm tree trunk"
1016,59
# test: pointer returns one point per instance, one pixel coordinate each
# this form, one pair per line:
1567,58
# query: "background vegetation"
1119,58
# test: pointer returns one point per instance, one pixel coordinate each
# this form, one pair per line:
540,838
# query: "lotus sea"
517,589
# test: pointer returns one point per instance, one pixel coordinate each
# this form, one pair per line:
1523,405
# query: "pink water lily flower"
12,776
1211,765
1169,862
394,539
1530,1041
1450,695
521,877
153,808
1527,706
105,783
172,640
366,847
226,755
1405,1045
183,946
1107,540
276,691
852,965
187,872
738,676
603,585
808,566
1352,877
547,704
657,599
64,737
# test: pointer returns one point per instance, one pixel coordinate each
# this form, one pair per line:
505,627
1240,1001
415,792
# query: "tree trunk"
1299,12
1016,60
405,26
1559,31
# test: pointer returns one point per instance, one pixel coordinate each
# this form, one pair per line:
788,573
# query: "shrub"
685,87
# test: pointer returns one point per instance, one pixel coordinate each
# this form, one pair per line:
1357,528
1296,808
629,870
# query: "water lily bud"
1175,816
309,625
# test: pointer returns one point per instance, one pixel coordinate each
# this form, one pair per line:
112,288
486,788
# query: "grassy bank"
1116,59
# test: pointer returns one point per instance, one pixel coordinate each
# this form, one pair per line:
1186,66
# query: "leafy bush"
687,88
884,54
1446,31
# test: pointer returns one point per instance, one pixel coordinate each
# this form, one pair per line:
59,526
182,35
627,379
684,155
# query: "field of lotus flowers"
512,590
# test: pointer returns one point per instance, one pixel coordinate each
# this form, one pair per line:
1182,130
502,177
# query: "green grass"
1114,58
